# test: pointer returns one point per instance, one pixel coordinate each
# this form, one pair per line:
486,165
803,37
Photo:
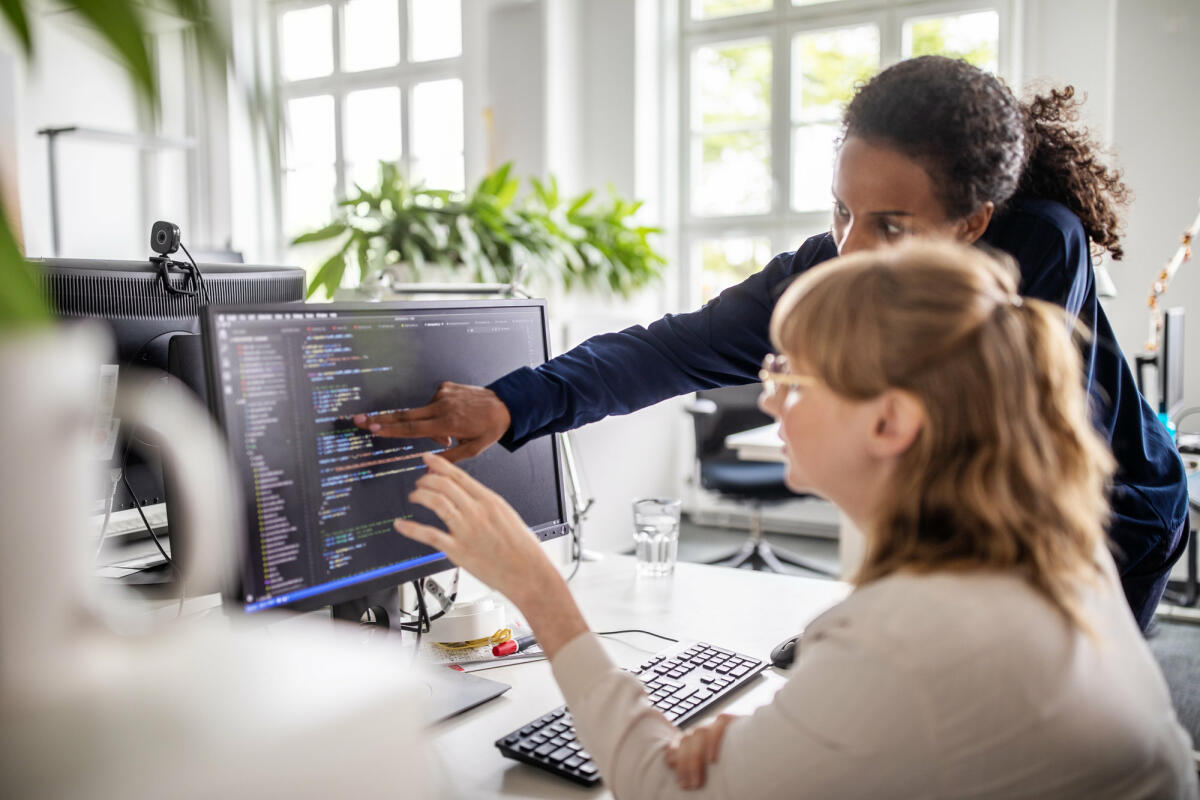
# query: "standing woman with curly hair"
1025,179
932,147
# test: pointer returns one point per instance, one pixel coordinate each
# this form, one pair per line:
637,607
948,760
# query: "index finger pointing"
400,415
432,428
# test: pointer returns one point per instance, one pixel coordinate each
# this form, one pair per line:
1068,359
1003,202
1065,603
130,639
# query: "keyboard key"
545,749
573,762
588,769
576,746
561,754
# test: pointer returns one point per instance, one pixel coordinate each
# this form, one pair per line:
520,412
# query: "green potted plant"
402,231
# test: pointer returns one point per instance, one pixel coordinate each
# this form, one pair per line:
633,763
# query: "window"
764,86
363,81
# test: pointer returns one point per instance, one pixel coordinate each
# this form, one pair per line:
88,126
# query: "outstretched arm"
721,344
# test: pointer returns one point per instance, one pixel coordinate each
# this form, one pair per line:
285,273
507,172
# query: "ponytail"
1065,165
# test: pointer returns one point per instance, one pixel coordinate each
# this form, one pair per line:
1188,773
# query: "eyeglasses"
774,374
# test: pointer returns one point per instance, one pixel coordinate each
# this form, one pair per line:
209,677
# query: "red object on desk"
513,646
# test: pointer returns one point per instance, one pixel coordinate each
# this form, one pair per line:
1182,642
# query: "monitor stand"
450,692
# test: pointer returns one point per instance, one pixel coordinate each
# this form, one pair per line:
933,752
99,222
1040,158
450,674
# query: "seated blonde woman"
987,650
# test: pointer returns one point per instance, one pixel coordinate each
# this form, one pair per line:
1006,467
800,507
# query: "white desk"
757,444
746,611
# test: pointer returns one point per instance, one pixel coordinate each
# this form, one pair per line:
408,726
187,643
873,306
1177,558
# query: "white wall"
1156,126
72,82
561,84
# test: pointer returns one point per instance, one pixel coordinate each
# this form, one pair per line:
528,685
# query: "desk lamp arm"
1159,287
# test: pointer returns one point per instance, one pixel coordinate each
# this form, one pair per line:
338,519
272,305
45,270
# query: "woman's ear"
898,421
973,226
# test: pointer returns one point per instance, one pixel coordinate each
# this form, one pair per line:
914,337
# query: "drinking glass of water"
656,534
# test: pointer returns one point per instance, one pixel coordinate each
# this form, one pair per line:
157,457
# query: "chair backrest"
736,410
719,413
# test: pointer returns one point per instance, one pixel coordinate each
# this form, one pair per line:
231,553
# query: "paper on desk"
477,658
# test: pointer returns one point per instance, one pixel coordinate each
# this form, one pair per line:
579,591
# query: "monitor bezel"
233,597
1172,366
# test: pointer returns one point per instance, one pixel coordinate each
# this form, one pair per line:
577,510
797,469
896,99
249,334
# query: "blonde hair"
1007,471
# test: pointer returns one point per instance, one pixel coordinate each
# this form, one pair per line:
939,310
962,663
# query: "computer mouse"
785,652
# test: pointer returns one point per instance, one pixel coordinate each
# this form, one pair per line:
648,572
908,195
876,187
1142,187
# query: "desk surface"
757,444
746,611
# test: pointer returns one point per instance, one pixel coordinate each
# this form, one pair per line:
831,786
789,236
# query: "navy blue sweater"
724,343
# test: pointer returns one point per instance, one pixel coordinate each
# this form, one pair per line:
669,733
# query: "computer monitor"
320,493
146,318
1171,365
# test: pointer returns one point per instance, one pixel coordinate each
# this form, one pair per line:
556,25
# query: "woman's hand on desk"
691,753
472,415
488,539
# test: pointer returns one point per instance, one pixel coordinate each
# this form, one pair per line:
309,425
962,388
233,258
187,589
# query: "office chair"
717,413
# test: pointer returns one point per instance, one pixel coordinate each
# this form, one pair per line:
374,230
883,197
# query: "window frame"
784,227
404,75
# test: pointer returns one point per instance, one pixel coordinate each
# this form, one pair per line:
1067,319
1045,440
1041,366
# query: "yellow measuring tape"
502,635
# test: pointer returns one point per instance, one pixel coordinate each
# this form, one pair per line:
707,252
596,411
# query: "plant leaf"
22,301
328,232
14,12
579,203
330,273
121,26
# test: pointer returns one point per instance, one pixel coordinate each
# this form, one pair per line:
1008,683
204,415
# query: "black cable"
576,552
423,620
157,543
199,275
429,618
637,630
150,528
422,616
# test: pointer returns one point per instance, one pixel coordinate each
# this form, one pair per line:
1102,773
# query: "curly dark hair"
980,144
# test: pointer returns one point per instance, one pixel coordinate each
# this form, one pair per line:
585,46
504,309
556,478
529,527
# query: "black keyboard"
683,682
